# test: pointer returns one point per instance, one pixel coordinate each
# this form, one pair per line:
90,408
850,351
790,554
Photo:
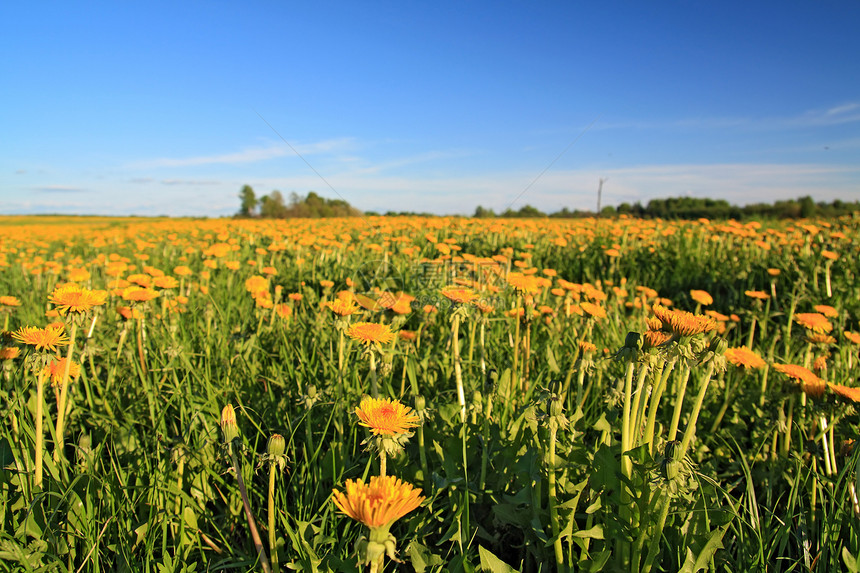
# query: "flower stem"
273,543
697,407
40,399
64,393
252,525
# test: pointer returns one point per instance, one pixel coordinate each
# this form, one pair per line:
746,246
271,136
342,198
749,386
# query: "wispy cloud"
820,117
250,155
190,182
58,189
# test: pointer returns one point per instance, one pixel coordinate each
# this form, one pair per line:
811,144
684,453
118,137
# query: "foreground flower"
385,416
75,299
847,392
370,333
380,502
48,338
744,357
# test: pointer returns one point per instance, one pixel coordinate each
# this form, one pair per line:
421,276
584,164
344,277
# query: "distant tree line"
273,206
696,208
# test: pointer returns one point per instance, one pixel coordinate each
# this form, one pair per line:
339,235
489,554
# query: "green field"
578,403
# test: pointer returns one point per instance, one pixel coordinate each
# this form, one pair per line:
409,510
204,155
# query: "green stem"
551,494
252,525
273,542
679,403
697,407
64,394
458,373
40,438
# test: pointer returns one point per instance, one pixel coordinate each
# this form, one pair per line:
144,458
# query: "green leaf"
551,361
701,561
490,562
850,560
595,532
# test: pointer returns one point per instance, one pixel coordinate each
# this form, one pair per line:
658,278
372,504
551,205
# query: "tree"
272,205
249,201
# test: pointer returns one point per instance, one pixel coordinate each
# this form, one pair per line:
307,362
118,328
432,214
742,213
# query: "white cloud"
249,155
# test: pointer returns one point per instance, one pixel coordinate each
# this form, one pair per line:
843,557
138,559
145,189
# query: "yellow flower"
814,321
459,295
73,298
343,306
594,310
683,323
57,368
370,333
139,294
702,297
827,310
744,357
809,382
379,503
48,338
757,294
9,301
386,417
527,284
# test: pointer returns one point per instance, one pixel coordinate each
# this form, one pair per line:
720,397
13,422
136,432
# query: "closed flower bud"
228,424
276,446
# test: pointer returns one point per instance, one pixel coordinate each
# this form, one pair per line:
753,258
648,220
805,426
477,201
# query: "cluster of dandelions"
383,499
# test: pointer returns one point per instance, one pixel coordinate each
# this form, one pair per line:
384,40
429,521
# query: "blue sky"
165,107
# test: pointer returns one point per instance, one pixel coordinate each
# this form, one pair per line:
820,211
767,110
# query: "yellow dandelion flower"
136,293
527,284
56,369
459,295
826,310
809,382
48,338
592,309
370,333
9,301
343,306
852,394
852,336
683,323
814,321
379,503
72,298
386,417
757,294
702,297
744,357
9,353
819,338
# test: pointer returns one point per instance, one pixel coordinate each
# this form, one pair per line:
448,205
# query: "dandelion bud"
718,345
228,424
420,403
633,340
276,446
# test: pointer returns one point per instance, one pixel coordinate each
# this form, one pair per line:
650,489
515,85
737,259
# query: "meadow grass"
579,409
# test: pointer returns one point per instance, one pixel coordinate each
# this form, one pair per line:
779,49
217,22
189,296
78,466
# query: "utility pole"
599,193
